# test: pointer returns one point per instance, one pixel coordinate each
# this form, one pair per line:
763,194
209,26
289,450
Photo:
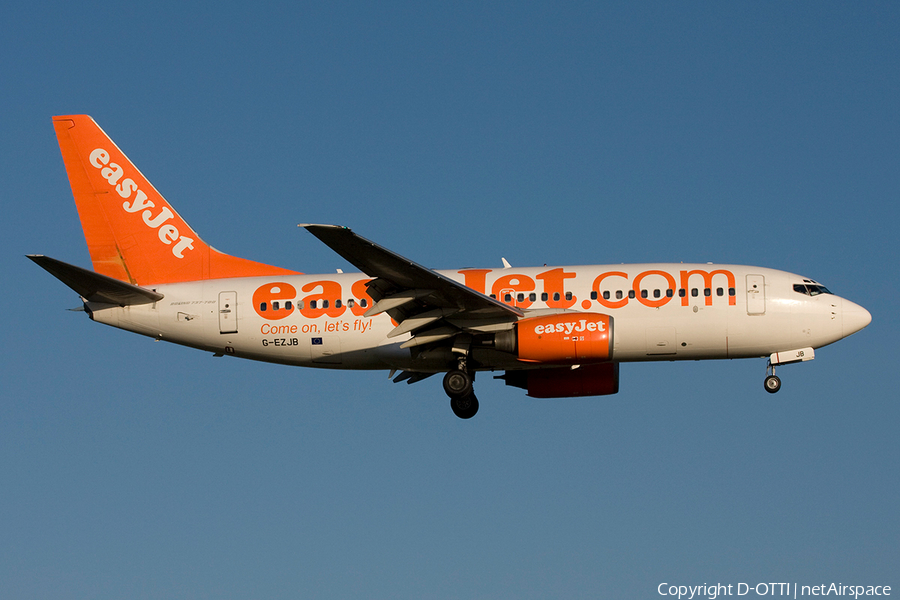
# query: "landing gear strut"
458,385
772,383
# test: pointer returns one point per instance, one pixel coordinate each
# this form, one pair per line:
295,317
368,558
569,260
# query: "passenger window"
337,304
313,304
682,293
695,292
300,305
555,296
720,292
275,305
494,296
568,295
657,293
520,298
670,292
619,294
707,292
643,293
606,295
288,305
324,303
544,297
350,303
594,294
262,307
731,292
507,297
532,296
631,294
363,302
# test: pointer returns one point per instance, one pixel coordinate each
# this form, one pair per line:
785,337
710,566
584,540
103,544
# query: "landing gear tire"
464,407
772,383
458,384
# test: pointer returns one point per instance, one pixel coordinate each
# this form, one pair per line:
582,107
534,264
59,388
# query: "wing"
426,304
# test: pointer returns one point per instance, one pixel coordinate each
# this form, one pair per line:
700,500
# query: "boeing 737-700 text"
554,331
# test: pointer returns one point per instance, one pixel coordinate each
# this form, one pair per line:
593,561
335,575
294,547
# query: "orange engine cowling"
564,382
568,338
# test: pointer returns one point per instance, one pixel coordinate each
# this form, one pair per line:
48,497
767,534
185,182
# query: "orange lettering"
512,284
707,283
331,291
475,279
360,292
554,285
647,301
596,288
277,329
267,297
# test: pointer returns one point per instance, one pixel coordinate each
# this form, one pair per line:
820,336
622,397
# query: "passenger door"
756,295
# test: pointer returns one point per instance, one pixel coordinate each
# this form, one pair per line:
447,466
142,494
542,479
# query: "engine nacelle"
565,382
567,338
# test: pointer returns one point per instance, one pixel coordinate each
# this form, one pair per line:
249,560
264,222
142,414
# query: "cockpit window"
810,289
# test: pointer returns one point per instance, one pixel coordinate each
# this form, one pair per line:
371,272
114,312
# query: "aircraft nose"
854,317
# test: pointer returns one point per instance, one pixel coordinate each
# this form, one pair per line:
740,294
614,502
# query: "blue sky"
455,134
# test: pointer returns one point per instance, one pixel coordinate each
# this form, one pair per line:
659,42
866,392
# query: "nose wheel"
772,383
458,385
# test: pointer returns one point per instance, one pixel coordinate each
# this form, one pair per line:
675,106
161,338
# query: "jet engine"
567,339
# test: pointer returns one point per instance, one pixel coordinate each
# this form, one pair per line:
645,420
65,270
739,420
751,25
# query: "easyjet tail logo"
136,200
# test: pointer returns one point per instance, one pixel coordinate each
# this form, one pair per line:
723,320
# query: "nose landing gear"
772,383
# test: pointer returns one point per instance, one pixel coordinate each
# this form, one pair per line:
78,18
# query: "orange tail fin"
132,233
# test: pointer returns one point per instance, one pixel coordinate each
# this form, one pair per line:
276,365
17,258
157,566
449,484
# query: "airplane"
556,332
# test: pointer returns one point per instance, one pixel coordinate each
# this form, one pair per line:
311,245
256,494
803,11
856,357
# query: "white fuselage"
660,311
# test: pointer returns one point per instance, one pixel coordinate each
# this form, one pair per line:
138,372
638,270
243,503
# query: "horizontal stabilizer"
95,287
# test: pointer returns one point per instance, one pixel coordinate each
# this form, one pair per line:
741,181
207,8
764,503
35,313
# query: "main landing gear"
458,385
772,383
